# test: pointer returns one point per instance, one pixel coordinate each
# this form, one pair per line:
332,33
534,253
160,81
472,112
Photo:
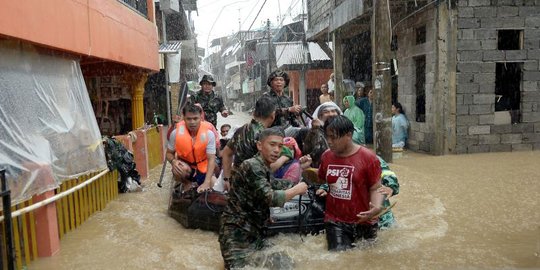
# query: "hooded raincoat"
356,115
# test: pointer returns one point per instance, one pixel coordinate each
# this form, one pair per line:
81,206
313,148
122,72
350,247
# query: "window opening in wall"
508,89
421,35
420,87
510,39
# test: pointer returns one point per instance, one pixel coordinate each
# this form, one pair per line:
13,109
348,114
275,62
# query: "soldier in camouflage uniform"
210,102
285,110
253,192
243,144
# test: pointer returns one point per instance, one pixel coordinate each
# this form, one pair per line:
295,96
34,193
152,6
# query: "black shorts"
342,236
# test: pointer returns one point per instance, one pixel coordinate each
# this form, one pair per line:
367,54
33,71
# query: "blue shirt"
400,124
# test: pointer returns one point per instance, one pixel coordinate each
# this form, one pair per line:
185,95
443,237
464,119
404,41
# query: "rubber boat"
302,214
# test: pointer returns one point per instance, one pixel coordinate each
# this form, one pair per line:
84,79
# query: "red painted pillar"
48,240
126,141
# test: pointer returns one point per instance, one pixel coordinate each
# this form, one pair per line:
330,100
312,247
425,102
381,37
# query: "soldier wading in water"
253,192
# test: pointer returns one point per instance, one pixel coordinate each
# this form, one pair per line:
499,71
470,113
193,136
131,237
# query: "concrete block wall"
477,54
421,134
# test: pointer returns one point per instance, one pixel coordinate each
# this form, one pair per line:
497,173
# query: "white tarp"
49,131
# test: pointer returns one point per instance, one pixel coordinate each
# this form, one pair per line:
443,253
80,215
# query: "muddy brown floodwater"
476,211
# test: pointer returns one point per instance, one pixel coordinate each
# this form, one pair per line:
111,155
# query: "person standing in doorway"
400,124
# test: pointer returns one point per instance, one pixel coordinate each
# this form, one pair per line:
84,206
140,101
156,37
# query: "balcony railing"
137,5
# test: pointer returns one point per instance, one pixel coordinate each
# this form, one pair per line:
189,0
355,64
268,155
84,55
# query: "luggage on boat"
302,214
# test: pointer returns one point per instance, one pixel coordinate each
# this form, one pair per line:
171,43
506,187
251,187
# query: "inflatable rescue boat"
302,214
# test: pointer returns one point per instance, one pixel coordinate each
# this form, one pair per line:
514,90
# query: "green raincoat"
356,115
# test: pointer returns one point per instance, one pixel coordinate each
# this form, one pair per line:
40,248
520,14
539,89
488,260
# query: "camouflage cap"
278,73
208,78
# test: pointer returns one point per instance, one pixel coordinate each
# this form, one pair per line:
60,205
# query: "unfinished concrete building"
467,72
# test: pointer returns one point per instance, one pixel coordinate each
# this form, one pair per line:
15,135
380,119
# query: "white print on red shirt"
339,178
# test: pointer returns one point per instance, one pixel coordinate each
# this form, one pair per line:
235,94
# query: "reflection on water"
454,212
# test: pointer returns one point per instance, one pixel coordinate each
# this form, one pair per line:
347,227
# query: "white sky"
219,18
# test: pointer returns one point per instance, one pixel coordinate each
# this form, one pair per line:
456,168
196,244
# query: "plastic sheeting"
49,131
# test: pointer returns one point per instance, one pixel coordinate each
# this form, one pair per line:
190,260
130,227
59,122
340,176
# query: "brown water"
454,212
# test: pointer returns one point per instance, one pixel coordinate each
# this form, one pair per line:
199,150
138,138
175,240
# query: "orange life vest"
192,151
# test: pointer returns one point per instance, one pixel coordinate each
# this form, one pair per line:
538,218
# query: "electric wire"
414,13
289,10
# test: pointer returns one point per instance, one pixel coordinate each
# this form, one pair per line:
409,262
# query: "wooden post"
339,91
381,36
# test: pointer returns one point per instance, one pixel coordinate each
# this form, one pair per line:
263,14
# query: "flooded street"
429,77
454,212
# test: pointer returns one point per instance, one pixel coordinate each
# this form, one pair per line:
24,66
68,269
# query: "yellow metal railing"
154,148
74,209
71,210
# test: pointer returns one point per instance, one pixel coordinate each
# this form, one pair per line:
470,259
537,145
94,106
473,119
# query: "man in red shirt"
352,173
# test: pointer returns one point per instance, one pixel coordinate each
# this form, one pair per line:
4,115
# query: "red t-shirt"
349,179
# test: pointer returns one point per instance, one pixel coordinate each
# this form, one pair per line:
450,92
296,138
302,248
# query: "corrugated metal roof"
288,53
170,47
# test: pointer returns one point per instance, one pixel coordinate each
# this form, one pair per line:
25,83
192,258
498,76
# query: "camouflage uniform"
244,142
253,192
282,102
389,179
212,104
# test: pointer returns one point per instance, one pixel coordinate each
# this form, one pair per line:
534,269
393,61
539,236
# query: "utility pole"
240,40
271,61
305,65
381,36
167,91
